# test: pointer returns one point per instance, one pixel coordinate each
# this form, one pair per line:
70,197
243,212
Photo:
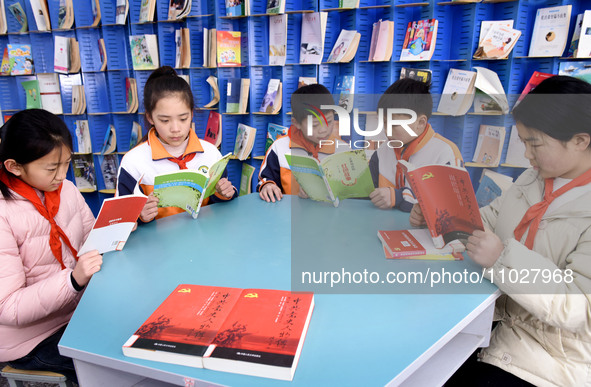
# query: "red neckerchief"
534,214
180,161
404,153
296,135
48,211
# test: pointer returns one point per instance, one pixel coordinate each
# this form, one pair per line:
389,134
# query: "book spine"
401,254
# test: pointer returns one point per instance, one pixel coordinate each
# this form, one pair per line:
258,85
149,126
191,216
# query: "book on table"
258,332
417,244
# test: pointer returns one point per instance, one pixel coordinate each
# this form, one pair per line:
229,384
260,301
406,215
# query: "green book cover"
246,179
32,92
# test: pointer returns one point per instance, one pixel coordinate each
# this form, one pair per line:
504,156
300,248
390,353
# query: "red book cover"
536,78
228,49
214,126
447,199
416,243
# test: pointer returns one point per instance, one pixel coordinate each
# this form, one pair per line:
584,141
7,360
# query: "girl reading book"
170,145
43,221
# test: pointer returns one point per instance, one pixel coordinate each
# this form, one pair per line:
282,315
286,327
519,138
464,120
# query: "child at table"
170,144
427,147
275,177
542,224
43,221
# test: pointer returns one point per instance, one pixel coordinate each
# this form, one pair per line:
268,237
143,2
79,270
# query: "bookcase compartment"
97,94
294,38
117,86
234,169
166,42
291,74
455,32
83,16
108,11
229,129
259,80
88,41
337,21
123,124
11,23
364,20
226,73
66,83
196,26
117,47
98,125
141,76
301,6
42,52
202,91
402,16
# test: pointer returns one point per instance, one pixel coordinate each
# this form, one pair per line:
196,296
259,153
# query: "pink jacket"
36,296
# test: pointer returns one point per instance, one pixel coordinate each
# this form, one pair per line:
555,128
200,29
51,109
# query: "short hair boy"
427,147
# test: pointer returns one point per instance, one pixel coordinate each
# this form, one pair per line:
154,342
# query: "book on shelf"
257,332
228,49
577,69
109,141
489,145
489,93
144,52
78,99
114,223
345,90
238,7
237,91
312,37
447,201
274,131
277,39
458,92
187,188
215,91
209,47
19,14
121,11
61,54
245,136
41,14
382,38
272,100
303,81
348,4
136,134
497,43
417,244
213,130
49,88
82,134
182,48
74,56
84,175
536,78
103,54
584,46
345,47
3,23
131,96
20,59
275,6
419,41
5,67
178,9
516,151
65,14
339,176
147,8
96,12
486,25
109,164
246,179
492,184
33,99
550,31
422,75
574,43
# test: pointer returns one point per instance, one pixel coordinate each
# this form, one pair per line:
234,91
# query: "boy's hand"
88,264
224,188
416,216
271,193
484,247
302,194
150,209
380,197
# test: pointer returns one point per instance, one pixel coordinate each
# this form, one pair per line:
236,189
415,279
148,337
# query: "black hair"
559,107
162,82
307,97
410,94
29,135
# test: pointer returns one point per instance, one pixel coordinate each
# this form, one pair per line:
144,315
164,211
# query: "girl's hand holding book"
484,247
416,216
88,264
150,209
224,188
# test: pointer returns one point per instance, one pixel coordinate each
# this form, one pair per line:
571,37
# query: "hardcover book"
258,332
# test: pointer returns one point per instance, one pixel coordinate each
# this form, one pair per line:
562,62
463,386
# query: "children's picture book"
382,39
584,47
144,52
577,69
84,175
447,200
228,48
110,141
272,100
492,184
274,131
41,14
536,78
419,41
215,91
277,39
423,75
458,92
550,31
33,99
136,135
489,145
339,176
19,14
486,25
187,188
345,47
417,244
82,133
275,6
345,91
497,43
213,130
20,58
109,166
257,332
489,94
312,37
245,136
237,7
114,223
49,88
121,11
246,179
147,8
516,151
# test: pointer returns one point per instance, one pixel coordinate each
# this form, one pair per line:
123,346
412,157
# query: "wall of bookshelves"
457,40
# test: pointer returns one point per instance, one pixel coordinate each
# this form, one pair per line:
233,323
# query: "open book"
257,332
339,176
188,188
447,200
